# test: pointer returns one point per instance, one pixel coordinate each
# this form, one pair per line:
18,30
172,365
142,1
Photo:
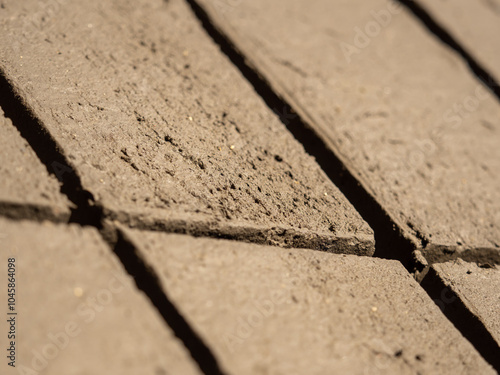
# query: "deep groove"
441,33
87,213
389,241
147,281
279,236
462,318
48,151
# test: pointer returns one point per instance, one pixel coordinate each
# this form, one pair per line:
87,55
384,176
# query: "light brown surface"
399,108
478,288
474,24
164,131
26,189
266,310
72,291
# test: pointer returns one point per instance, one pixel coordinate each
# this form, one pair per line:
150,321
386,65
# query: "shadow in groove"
49,153
389,241
441,33
462,318
147,281
87,213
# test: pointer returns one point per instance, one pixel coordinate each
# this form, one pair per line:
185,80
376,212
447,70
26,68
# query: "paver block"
478,288
474,24
78,312
164,131
402,111
295,311
26,188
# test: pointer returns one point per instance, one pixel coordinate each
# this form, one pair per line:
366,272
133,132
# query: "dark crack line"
462,318
278,236
49,152
390,243
87,213
447,38
390,240
147,280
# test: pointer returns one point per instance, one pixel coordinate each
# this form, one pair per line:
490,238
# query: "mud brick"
474,24
163,131
26,188
295,311
78,311
400,109
469,293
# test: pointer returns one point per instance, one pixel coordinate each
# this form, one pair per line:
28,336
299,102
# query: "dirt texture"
78,311
478,286
163,131
401,110
474,24
268,310
26,188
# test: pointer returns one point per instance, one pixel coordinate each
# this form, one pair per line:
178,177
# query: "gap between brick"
448,39
390,241
469,324
147,280
48,152
87,213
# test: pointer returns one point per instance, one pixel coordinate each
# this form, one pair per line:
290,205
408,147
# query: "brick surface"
164,131
475,25
478,288
291,311
401,110
26,189
78,310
